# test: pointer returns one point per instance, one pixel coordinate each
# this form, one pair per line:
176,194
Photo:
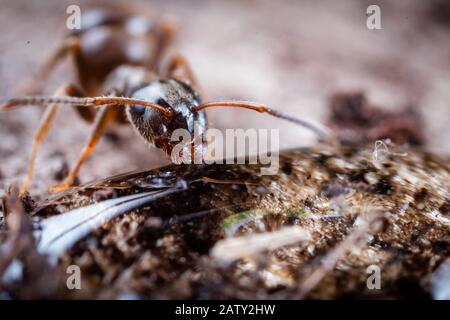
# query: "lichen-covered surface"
162,250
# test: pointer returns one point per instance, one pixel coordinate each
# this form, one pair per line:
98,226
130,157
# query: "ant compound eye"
138,110
154,93
163,103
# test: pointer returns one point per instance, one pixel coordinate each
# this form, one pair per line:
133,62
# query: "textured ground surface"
392,213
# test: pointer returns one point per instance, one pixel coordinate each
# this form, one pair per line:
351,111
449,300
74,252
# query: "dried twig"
231,249
20,229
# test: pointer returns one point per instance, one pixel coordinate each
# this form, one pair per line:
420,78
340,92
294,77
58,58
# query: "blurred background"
291,55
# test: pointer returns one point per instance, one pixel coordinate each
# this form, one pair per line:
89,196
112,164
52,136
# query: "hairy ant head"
158,129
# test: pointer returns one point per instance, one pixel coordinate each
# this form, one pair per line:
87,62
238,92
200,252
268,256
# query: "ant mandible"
155,103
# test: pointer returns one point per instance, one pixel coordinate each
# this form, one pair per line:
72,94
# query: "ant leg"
166,32
104,116
178,68
44,127
35,84
323,132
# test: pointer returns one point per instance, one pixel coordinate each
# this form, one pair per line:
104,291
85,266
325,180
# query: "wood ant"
116,55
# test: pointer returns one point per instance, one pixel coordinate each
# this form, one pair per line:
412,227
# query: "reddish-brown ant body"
117,55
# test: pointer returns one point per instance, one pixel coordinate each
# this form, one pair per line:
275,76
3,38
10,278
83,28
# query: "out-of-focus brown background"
292,55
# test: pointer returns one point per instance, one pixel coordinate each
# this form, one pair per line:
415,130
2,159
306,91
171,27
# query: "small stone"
371,178
153,223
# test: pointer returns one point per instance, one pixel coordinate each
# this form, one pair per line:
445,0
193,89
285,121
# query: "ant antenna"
85,102
323,132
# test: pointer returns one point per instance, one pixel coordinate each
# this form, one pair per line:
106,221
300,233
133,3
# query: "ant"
108,62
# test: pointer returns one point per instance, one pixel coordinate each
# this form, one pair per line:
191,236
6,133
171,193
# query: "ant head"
158,129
